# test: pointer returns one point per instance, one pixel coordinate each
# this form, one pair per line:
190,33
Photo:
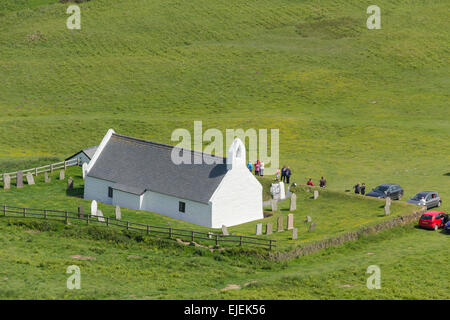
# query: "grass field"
35,257
351,104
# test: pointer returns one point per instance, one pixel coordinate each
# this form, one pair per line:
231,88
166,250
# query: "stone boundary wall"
349,236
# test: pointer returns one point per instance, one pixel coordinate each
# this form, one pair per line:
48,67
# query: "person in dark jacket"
363,189
283,174
323,182
357,188
288,174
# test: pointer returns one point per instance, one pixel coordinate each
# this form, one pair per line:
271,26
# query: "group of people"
322,182
360,188
259,167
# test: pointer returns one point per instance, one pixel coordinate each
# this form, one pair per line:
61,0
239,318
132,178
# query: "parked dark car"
394,191
432,199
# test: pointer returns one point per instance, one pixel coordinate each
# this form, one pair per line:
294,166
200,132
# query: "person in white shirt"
422,202
261,169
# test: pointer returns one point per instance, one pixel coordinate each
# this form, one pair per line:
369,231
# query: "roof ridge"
163,145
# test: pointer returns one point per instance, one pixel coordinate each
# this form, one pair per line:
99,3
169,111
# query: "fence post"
4,210
128,225
270,244
24,212
51,167
65,164
217,240
170,233
87,219
78,161
192,236
107,221
67,217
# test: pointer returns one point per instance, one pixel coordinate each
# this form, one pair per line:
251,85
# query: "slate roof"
89,152
136,165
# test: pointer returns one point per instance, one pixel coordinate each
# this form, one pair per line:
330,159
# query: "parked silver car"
431,198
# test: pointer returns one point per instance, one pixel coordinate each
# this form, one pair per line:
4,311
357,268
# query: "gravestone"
312,227
259,229
277,190
316,194
294,234
387,206
19,179
118,213
94,208
210,234
100,216
308,219
269,228
30,179
290,221
46,178
81,212
84,169
280,224
225,230
274,205
6,182
293,204
70,183
62,175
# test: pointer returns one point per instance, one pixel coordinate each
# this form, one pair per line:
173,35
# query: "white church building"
141,175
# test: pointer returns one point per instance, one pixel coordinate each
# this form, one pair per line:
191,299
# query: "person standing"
250,166
363,189
357,188
261,169
278,175
283,174
310,182
323,182
257,168
288,174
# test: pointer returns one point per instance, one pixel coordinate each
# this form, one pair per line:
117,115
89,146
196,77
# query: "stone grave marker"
274,205
308,219
387,210
280,224
312,227
316,194
118,213
6,182
269,228
70,183
259,229
46,177
84,169
388,201
30,179
225,230
290,221
81,212
293,204
94,208
210,234
19,179
100,216
62,175
294,234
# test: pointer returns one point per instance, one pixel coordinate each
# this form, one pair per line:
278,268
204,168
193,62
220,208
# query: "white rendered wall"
126,200
238,199
97,189
196,212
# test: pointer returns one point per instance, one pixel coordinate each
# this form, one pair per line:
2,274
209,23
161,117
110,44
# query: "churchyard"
331,214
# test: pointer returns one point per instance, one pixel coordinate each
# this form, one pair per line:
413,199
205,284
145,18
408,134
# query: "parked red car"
433,220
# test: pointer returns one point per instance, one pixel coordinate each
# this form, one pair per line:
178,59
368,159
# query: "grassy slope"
33,266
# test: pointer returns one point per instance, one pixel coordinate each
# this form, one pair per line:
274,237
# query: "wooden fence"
190,235
47,168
